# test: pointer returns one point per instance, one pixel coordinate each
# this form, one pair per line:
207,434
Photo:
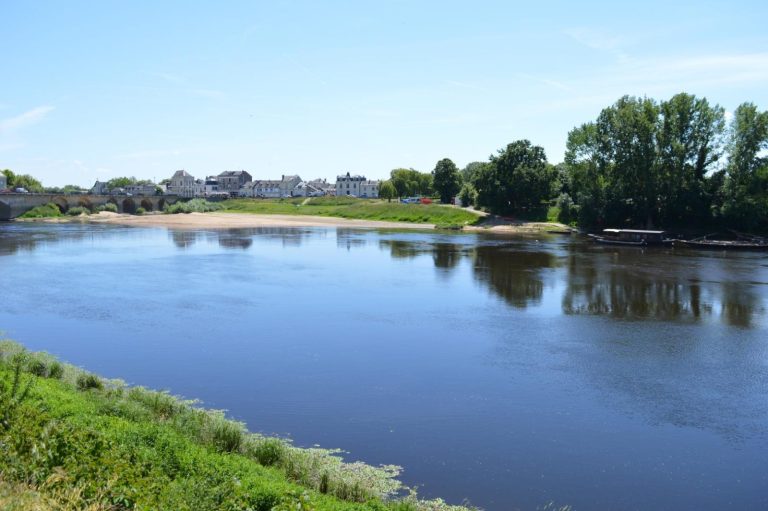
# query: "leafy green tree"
447,180
690,139
409,182
122,182
517,180
745,187
468,172
23,181
468,195
387,191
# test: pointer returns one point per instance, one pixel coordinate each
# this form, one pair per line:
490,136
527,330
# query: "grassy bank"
70,440
352,208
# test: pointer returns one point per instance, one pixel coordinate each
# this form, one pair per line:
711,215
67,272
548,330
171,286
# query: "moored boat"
630,237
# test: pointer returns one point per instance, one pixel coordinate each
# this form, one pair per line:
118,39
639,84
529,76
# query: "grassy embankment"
70,440
363,209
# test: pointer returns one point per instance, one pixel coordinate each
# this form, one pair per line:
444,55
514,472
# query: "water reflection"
184,239
660,286
513,273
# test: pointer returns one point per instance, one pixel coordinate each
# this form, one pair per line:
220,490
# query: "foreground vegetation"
364,209
192,206
70,440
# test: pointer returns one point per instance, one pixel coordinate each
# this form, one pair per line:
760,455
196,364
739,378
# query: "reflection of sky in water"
510,370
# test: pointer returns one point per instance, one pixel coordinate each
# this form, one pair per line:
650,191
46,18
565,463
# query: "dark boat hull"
720,245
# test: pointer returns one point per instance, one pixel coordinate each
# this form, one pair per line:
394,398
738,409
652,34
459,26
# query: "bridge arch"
129,206
161,205
5,211
83,202
62,203
147,205
112,200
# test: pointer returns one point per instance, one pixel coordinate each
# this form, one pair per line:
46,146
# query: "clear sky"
102,89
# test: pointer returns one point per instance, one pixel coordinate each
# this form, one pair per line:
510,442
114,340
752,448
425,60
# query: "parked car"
20,190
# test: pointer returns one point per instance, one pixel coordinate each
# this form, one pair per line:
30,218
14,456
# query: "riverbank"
223,220
72,440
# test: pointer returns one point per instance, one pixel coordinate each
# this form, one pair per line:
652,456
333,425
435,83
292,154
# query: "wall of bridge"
13,205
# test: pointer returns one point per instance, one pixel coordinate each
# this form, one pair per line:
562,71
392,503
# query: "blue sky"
93,90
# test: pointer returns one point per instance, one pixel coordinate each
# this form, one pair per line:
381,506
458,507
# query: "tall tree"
447,180
516,180
690,143
746,184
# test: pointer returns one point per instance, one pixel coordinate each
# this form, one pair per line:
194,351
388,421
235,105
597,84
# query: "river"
507,371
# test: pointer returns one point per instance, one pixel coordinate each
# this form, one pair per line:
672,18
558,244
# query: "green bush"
89,381
193,206
49,210
56,371
109,206
78,210
140,211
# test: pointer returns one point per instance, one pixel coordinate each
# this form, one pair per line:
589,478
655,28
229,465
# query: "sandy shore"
240,220
235,220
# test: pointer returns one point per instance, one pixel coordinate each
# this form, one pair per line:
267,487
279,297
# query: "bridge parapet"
13,205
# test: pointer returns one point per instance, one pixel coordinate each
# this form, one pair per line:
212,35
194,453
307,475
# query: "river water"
507,371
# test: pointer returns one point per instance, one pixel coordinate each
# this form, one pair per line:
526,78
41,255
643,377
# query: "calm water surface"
507,371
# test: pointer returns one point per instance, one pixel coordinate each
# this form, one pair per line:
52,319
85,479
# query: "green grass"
70,440
352,208
49,210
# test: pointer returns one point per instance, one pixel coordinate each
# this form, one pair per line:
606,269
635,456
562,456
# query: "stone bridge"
16,204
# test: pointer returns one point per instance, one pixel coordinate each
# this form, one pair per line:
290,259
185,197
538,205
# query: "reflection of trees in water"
241,238
235,238
15,238
350,238
184,239
445,256
670,290
515,275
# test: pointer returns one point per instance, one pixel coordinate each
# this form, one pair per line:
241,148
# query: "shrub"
468,195
267,451
140,211
56,371
109,206
89,381
78,210
193,206
47,211
38,368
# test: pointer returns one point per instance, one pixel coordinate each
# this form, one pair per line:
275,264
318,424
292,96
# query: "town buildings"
231,181
182,184
356,186
3,181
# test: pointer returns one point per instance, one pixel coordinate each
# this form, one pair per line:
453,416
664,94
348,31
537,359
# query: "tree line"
641,163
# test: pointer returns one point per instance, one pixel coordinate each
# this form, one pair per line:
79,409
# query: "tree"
411,182
23,181
689,143
516,180
468,172
387,191
745,188
447,180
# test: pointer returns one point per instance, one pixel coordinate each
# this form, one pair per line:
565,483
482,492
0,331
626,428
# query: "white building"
4,181
266,188
182,184
356,186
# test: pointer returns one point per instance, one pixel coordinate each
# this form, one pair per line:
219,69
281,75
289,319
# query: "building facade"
232,180
356,186
99,188
182,184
